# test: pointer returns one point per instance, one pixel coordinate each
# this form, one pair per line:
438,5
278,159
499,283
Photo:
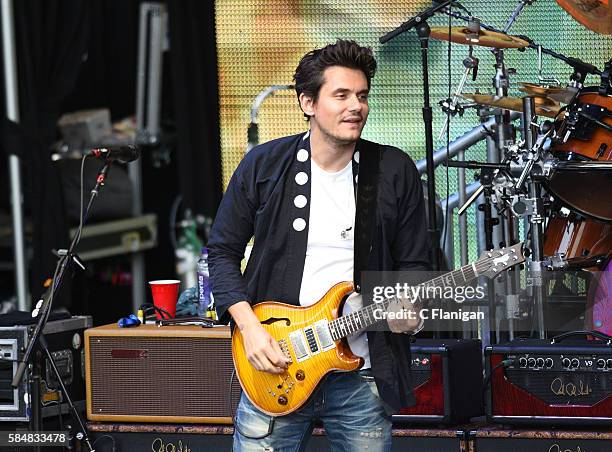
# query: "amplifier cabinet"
178,374
192,438
498,439
65,342
447,375
566,383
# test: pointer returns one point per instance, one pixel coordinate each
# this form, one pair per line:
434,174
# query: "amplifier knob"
531,362
549,363
566,362
601,363
540,362
575,363
523,362
609,363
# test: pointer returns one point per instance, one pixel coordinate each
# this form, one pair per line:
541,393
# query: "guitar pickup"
312,341
298,342
324,335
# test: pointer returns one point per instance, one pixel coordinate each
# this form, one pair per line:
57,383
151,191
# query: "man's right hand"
262,351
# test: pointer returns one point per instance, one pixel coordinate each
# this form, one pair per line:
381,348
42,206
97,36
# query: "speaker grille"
162,376
564,388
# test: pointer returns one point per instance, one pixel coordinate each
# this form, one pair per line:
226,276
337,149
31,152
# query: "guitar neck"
366,317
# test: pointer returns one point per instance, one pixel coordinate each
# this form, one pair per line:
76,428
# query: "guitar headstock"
492,263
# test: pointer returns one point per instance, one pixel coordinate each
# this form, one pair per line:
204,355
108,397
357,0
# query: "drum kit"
558,176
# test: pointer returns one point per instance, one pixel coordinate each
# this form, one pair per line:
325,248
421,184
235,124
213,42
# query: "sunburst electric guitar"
314,337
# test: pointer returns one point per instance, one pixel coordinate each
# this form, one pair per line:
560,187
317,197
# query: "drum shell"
582,179
574,147
577,237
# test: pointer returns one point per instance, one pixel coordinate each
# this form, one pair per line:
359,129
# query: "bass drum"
582,177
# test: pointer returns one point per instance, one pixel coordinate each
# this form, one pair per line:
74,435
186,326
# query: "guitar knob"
300,375
282,400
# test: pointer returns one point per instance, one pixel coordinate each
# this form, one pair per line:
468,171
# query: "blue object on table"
126,322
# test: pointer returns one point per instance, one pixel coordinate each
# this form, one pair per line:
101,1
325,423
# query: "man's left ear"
307,104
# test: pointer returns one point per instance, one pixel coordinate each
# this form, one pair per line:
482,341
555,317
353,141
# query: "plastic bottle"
205,299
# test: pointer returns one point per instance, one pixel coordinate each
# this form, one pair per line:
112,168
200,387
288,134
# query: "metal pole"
536,219
451,203
141,73
12,113
156,49
493,157
462,218
463,142
151,35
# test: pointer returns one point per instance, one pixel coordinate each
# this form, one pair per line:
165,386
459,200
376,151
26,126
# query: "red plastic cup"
165,295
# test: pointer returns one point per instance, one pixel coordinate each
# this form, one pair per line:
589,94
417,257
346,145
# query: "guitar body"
281,394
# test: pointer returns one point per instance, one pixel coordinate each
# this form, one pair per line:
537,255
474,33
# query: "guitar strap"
365,217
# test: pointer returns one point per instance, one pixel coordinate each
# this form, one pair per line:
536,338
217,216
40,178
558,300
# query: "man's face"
341,109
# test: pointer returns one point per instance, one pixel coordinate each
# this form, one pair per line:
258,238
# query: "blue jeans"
346,403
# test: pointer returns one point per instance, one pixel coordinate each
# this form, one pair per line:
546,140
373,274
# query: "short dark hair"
308,75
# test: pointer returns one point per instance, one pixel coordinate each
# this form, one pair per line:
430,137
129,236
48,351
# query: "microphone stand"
65,258
423,31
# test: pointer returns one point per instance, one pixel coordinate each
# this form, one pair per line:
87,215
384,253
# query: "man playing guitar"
304,199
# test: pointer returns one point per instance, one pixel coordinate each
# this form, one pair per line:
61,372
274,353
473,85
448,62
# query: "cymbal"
484,38
595,15
544,106
558,93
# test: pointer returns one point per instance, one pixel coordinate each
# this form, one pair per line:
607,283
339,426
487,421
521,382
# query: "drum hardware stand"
66,257
487,175
557,262
542,80
504,138
535,277
486,178
501,83
470,63
423,31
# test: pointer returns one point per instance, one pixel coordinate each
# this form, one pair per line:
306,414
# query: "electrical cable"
233,415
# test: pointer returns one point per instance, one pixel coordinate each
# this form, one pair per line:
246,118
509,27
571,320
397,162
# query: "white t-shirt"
329,252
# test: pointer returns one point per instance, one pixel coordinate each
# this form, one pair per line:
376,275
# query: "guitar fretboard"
365,317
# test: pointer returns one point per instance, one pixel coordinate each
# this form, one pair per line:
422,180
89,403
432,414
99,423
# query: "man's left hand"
404,316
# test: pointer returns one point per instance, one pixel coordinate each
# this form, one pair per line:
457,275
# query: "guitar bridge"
285,349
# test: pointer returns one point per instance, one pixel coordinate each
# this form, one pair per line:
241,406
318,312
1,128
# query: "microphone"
121,153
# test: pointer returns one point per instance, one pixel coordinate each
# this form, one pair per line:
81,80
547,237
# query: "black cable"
229,403
504,363
233,415
173,214
487,380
